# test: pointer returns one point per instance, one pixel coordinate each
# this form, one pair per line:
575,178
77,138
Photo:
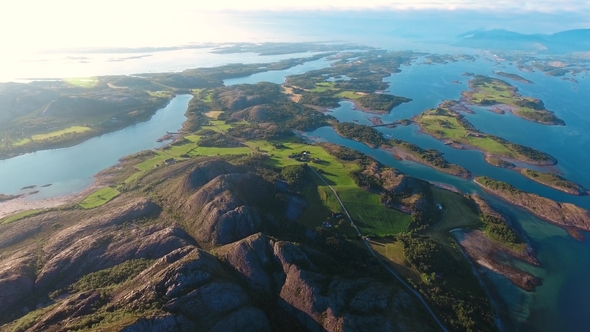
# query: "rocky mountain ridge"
214,265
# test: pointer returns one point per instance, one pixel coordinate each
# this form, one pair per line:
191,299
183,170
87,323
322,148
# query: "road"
387,267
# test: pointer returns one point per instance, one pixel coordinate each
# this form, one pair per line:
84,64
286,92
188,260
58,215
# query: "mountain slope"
159,257
499,39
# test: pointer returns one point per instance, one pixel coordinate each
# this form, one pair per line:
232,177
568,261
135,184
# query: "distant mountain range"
561,42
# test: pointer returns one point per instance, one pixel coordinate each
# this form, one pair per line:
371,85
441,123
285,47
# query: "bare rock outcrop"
104,249
164,323
191,283
206,172
319,301
17,279
253,259
223,211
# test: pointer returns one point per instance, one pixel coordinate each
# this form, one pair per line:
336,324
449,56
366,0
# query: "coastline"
578,191
465,146
79,139
502,108
574,219
493,256
22,204
358,107
401,154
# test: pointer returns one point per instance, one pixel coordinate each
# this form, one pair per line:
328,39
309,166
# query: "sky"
30,25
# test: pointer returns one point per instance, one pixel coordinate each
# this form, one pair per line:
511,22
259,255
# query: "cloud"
130,7
35,24
495,5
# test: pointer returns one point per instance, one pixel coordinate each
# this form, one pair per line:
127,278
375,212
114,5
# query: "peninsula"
566,215
555,181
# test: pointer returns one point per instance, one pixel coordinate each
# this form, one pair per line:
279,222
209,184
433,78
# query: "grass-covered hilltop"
499,94
447,124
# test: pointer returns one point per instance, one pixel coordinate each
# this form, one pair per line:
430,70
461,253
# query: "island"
364,84
492,92
401,149
566,215
451,127
555,181
514,77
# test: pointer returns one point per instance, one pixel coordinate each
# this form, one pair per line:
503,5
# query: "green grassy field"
99,198
335,172
53,134
19,216
323,87
84,82
447,127
187,150
365,207
348,95
457,214
502,93
160,94
393,251
370,216
21,142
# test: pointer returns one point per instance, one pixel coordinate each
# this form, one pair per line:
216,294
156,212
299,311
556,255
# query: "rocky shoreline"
495,256
460,107
401,154
567,186
565,215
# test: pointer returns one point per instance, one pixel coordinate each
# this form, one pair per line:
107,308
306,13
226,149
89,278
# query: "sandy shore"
26,203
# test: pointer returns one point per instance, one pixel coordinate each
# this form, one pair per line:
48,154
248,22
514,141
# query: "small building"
170,161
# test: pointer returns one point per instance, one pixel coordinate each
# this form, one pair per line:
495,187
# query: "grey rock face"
222,211
252,257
